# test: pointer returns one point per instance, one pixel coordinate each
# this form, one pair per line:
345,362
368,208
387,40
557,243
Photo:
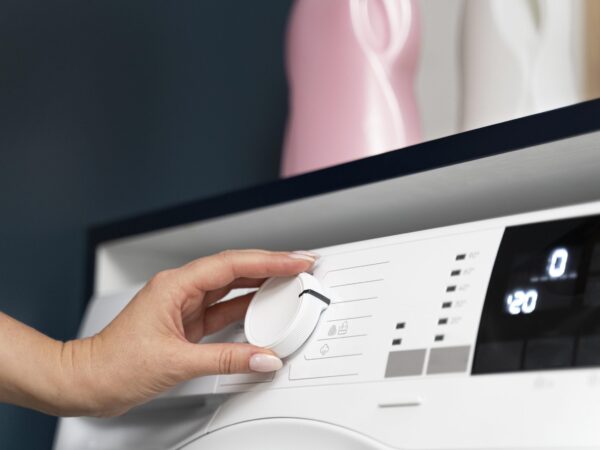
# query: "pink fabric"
351,66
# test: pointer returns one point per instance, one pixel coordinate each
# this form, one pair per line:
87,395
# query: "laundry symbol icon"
332,331
343,329
324,349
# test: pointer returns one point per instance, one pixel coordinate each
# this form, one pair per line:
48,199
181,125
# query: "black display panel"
542,307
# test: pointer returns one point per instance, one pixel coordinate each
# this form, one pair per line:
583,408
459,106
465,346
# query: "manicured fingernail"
307,256
261,362
308,252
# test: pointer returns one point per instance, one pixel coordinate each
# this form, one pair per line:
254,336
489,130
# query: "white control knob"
284,312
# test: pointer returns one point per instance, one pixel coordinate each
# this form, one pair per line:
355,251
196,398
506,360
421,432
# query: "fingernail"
305,255
262,362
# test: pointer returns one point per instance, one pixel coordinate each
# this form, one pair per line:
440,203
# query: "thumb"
211,359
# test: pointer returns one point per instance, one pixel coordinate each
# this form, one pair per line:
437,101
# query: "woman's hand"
152,344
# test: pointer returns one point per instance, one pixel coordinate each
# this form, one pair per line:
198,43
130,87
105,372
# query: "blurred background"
110,109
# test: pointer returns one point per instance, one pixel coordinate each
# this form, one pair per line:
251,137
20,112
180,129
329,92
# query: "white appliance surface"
402,358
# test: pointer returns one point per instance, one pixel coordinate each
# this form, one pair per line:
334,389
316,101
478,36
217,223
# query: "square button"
405,363
595,261
588,351
448,359
549,353
497,357
592,291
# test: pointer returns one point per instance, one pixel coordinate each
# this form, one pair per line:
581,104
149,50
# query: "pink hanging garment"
351,66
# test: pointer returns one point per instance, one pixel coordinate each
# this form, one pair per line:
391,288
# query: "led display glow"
521,302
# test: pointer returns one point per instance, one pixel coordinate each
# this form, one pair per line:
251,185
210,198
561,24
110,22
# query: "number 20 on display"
523,301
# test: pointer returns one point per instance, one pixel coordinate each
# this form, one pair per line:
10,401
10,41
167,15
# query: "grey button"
405,363
448,359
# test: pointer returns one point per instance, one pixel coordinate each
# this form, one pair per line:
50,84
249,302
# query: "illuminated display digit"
521,302
513,304
557,263
529,301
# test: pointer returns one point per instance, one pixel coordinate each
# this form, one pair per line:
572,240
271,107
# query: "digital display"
542,281
542,307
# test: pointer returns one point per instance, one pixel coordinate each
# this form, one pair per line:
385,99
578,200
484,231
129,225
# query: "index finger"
216,271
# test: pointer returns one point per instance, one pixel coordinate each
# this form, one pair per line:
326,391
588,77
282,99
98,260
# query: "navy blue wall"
111,108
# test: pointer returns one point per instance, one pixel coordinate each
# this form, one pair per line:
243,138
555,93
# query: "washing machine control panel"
482,298
399,308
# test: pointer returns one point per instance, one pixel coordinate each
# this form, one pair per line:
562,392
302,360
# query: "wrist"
80,384
31,376
53,396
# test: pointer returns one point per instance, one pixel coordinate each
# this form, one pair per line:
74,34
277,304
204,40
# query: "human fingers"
217,271
217,317
222,314
241,283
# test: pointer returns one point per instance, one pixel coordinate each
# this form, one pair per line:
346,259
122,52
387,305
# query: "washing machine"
464,313
478,335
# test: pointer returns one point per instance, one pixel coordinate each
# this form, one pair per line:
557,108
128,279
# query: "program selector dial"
284,312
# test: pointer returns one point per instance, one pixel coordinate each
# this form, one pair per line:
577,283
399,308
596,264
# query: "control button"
448,359
595,259
592,291
549,353
588,351
284,312
405,363
496,357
